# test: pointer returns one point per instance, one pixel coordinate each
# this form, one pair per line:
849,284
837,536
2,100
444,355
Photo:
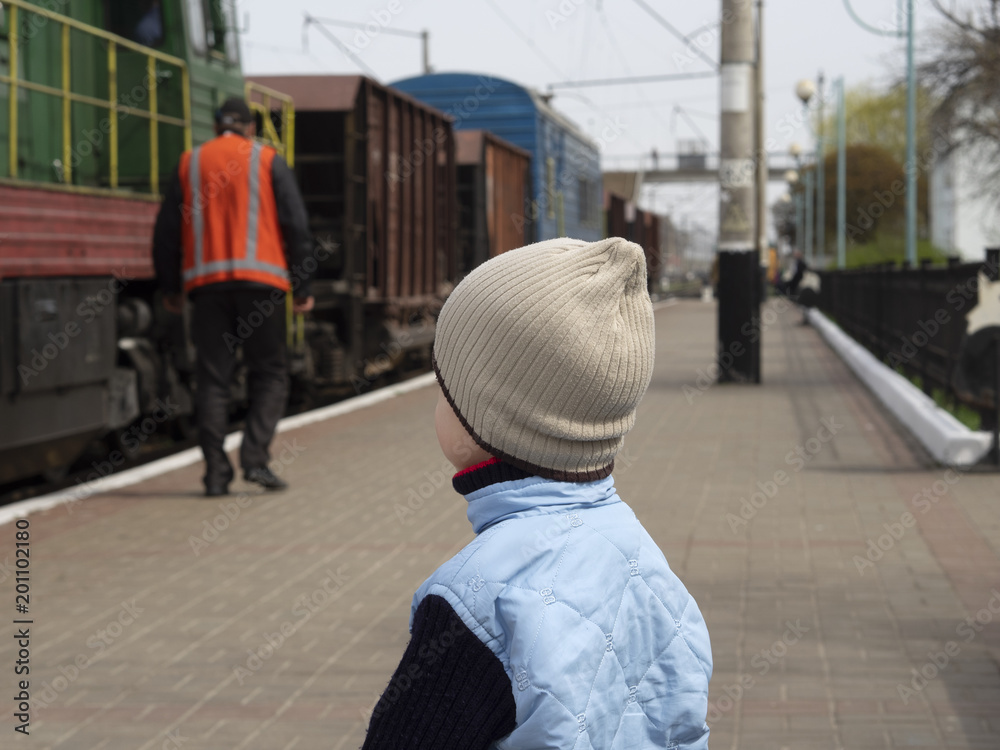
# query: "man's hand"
303,304
173,303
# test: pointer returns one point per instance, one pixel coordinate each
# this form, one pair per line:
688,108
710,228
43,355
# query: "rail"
283,142
111,104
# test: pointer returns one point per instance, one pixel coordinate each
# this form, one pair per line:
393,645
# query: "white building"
963,222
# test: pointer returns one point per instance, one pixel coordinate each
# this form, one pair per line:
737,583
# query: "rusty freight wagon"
377,171
493,185
641,227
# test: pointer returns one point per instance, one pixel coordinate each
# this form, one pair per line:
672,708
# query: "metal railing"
914,320
261,100
111,104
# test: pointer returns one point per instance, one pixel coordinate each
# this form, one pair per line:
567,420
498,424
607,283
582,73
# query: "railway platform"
851,588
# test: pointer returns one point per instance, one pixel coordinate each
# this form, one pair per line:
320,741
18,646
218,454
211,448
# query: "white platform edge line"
949,441
23,508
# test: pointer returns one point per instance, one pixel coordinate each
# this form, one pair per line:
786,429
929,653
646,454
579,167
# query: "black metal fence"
914,320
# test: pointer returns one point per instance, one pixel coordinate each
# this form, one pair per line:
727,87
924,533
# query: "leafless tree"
962,70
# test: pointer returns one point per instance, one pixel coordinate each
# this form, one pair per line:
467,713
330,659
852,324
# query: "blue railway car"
565,163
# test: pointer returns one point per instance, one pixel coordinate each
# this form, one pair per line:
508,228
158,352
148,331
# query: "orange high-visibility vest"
230,228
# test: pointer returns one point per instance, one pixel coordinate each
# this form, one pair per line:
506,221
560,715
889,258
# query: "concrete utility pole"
739,261
759,144
821,174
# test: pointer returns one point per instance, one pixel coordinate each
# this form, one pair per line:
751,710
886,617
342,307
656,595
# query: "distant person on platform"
233,228
790,287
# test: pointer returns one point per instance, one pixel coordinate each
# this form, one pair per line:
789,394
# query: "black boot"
265,478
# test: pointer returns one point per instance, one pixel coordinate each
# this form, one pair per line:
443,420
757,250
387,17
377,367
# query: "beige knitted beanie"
544,353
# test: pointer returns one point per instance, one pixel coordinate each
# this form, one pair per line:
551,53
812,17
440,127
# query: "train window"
213,28
222,28
141,22
196,25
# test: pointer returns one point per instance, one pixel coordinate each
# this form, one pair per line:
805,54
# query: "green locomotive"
98,99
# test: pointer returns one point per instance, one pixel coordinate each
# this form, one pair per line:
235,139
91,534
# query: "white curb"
949,441
9,513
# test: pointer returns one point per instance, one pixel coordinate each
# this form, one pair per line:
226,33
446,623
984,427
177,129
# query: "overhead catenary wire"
312,21
617,48
676,32
551,65
633,79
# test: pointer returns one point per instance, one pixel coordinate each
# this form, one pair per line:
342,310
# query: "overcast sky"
539,42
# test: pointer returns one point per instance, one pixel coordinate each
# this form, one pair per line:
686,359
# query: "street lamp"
805,90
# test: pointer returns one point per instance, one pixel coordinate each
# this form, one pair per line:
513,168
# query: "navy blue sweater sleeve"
449,692
294,222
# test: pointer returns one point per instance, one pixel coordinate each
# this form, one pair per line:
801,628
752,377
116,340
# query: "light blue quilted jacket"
603,645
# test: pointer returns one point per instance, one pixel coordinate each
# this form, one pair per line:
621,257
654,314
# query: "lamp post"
820,236
911,118
805,90
841,175
792,178
796,151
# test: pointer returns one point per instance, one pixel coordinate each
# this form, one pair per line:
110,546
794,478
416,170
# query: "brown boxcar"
493,185
377,171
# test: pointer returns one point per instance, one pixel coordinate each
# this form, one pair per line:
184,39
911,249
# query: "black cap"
234,111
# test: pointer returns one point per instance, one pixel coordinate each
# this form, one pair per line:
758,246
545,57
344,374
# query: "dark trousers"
223,321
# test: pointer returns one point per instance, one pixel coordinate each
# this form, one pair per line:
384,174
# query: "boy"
560,625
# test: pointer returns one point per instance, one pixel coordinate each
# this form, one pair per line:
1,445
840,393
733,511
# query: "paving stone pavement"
164,620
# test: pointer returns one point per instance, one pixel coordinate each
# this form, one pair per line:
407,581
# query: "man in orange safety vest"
233,235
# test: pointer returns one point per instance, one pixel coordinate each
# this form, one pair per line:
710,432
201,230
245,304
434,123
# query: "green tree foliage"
878,118
876,194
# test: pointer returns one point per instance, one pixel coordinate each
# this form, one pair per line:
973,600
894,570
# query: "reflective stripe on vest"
249,261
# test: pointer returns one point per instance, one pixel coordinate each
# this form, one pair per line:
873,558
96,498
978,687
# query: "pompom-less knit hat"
544,353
